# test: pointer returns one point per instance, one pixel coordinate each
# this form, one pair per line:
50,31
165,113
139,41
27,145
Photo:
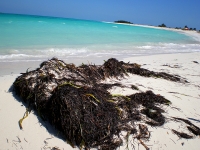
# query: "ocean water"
35,38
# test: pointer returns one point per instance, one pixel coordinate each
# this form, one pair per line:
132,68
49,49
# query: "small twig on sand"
25,140
48,138
15,144
176,108
19,139
173,141
144,144
182,94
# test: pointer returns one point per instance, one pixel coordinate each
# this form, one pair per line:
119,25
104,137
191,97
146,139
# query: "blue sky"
174,13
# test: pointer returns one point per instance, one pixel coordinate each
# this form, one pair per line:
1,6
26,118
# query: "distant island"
161,25
123,21
184,28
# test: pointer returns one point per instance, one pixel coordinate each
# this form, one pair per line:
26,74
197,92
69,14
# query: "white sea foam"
41,54
64,53
171,47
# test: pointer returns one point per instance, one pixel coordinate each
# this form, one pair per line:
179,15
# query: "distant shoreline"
191,33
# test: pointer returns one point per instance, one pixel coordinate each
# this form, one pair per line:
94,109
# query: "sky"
173,13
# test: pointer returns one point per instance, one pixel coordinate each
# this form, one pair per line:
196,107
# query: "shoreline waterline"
79,41
9,68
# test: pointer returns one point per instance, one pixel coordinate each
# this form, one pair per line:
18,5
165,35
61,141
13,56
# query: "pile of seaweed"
76,103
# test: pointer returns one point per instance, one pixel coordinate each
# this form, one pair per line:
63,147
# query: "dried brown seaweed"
74,100
182,135
25,116
192,128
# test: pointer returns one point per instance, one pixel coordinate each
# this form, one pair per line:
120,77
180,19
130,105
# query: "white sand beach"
185,98
194,34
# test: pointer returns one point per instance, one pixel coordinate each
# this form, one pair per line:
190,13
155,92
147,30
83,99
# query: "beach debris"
182,135
76,102
196,62
172,140
174,66
192,128
182,94
25,116
144,145
25,140
19,139
134,87
55,148
197,120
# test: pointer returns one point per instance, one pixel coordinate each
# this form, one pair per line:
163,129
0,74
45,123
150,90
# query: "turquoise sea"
35,38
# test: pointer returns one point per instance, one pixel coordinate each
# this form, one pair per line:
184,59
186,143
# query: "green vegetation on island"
184,28
123,21
162,25
187,28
